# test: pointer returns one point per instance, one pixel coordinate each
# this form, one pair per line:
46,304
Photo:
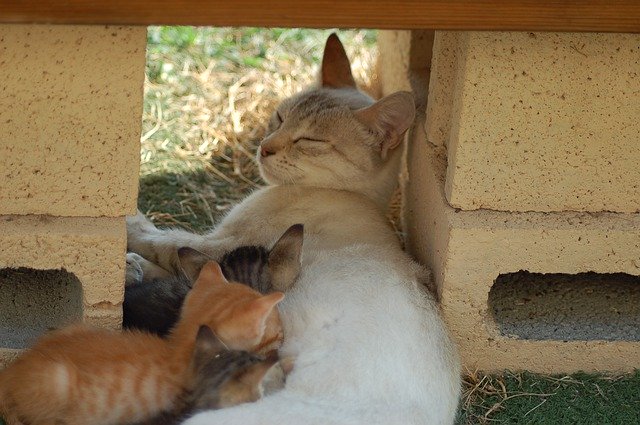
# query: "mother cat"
368,342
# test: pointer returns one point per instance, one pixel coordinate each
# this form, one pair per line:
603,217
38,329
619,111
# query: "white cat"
367,338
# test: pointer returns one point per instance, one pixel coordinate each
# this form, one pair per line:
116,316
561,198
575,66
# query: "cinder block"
404,59
447,50
71,102
538,121
469,250
74,269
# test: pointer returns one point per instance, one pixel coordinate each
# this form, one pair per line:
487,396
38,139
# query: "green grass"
527,398
208,94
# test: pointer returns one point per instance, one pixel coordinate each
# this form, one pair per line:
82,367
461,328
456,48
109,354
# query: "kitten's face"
242,317
224,378
333,136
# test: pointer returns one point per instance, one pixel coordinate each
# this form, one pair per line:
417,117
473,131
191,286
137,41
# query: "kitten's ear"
260,310
191,261
336,69
390,117
284,258
208,342
211,274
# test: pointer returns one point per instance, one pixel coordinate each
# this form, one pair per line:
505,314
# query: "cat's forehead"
316,101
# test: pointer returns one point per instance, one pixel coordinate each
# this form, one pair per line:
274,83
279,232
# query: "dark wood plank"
527,15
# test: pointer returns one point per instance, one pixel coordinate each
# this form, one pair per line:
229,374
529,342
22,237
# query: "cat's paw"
134,271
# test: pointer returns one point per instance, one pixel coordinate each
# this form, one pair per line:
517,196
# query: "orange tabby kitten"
220,377
81,375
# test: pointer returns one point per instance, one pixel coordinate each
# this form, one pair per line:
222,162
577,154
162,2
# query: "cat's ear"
211,274
208,342
191,261
284,258
390,117
336,69
260,310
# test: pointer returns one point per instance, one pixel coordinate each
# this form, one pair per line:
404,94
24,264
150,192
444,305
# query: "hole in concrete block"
567,307
34,301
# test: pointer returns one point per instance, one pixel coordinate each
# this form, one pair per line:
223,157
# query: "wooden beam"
524,15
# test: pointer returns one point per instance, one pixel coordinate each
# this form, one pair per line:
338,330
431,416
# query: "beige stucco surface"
538,121
447,47
7,355
70,108
403,60
467,250
93,249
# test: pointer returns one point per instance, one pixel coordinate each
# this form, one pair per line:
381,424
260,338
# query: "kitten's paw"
134,271
287,364
273,380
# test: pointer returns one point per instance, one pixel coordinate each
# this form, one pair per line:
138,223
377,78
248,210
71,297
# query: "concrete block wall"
499,182
69,160
538,121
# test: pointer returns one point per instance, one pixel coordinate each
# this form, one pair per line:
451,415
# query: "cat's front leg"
140,270
139,229
160,246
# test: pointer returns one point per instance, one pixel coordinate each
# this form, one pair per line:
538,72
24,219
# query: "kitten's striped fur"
222,378
248,264
81,375
154,306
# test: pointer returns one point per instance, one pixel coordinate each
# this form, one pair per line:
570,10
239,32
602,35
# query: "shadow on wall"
567,307
35,301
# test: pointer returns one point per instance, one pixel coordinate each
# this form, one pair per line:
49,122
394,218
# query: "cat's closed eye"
275,122
309,139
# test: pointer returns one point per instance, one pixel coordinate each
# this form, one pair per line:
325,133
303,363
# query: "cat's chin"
267,175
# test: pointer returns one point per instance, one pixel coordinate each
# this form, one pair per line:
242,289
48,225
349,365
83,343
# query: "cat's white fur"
368,341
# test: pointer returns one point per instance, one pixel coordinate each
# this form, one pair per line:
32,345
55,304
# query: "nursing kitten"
369,342
219,378
154,306
81,375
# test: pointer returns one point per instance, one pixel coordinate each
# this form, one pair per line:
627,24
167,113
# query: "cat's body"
80,375
369,344
154,306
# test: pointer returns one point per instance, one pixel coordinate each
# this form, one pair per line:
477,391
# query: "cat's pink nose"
264,151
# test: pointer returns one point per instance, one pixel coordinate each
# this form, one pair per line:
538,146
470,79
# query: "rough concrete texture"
90,249
8,355
93,249
538,121
447,47
71,102
404,56
468,250
34,301
567,307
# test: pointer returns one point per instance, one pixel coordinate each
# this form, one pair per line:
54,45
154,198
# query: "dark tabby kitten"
222,378
155,306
